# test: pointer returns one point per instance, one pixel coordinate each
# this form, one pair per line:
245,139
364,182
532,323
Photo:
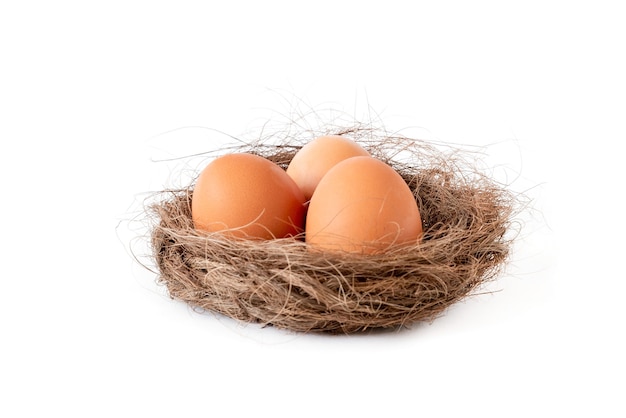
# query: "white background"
91,93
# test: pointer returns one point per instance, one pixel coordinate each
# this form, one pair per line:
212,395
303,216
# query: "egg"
362,205
245,195
314,159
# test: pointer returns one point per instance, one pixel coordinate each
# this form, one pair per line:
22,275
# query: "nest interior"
465,218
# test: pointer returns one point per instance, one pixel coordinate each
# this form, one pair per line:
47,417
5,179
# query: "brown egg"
245,195
314,159
362,205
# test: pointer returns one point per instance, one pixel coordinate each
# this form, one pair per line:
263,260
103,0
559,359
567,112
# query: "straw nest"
466,219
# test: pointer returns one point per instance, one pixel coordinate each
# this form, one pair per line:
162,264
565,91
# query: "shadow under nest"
465,215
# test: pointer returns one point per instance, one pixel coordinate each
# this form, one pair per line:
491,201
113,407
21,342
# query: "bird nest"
466,241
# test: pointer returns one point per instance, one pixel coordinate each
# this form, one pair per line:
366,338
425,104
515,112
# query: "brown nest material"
466,218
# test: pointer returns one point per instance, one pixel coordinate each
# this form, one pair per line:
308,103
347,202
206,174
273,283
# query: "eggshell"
314,160
362,205
245,195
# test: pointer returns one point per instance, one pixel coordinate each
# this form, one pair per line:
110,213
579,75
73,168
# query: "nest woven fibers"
466,218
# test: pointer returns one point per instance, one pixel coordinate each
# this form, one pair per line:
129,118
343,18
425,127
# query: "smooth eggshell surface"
314,160
245,195
362,205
